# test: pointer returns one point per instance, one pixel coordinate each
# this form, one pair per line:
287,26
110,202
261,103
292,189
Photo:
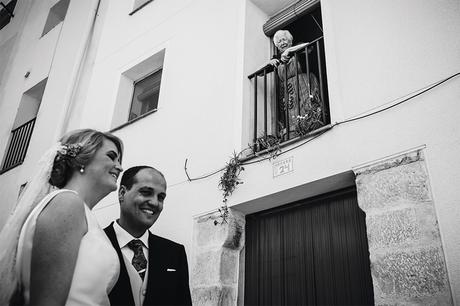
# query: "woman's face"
283,42
105,167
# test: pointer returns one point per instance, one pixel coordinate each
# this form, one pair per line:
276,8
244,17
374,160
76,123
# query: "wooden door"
312,252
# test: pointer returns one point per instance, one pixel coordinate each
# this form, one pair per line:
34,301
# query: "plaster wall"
23,30
56,56
198,99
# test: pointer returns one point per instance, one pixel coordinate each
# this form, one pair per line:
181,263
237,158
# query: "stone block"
392,228
208,234
392,162
229,234
427,220
410,274
214,296
229,266
235,238
216,266
388,188
438,300
206,269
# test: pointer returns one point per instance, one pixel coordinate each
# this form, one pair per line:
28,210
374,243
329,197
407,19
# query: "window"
56,15
23,127
291,100
139,91
138,4
146,94
6,13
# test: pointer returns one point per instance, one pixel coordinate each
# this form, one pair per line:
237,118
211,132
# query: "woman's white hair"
281,33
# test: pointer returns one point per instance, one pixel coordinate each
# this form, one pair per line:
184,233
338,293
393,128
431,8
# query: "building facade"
361,207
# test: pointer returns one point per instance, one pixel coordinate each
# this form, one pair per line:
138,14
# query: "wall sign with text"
284,166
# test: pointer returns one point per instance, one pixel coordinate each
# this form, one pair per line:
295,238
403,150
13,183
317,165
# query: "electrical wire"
405,98
409,96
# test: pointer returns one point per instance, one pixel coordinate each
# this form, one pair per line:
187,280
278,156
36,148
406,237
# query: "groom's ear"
121,193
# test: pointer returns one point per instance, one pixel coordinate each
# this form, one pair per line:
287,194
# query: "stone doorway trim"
406,254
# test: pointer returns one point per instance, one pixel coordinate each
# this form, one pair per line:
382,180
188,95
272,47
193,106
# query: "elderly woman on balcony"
304,111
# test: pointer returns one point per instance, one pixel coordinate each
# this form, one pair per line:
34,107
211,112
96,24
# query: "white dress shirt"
138,287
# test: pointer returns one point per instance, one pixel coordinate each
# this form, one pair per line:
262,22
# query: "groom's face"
141,205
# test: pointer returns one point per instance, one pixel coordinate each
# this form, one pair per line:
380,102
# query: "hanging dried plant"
227,183
223,215
230,178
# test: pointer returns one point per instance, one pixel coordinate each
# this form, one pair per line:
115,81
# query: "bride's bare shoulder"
63,209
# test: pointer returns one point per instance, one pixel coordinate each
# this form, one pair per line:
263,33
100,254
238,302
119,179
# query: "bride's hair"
78,149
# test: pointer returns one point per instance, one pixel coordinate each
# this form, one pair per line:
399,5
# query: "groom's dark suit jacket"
163,287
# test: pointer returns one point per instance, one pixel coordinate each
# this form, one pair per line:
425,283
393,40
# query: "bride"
53,250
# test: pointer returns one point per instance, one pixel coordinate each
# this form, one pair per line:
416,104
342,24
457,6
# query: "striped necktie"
139,262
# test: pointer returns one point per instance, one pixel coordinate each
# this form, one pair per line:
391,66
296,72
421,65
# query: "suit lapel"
154,269
121,293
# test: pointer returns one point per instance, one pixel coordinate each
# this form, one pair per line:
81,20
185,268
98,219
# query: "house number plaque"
283,166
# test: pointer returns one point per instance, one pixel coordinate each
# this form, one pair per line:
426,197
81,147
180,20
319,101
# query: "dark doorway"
311,252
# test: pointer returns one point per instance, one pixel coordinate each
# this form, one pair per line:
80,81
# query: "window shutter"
288,15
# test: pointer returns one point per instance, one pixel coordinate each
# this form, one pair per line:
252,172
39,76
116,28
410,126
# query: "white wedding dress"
97,267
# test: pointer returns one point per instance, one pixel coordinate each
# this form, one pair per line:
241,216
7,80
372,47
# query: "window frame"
60,2
261,134
7,10
127,79
139,6
133,95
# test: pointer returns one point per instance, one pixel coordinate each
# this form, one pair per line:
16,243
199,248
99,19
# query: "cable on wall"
393,103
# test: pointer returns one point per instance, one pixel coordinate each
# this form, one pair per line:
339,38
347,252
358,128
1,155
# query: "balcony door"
23,127
312,252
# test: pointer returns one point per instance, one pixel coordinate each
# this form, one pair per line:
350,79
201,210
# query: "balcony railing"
19,142
6,12
291,101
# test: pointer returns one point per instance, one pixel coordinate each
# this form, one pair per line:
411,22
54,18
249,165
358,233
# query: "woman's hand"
274,62
286,55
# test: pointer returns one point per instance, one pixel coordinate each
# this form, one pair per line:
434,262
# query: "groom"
153,270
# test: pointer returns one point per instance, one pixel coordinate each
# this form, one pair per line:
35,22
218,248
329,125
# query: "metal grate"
305,85
19,142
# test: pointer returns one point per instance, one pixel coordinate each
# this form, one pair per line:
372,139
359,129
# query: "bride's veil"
35,190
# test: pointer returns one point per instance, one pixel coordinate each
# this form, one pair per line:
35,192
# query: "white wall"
198,99
56,56
375,52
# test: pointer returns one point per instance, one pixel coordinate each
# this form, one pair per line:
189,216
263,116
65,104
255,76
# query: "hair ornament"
70,150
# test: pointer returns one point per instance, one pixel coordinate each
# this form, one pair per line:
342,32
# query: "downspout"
68,100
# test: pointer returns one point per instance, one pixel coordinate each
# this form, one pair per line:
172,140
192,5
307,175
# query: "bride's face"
105,167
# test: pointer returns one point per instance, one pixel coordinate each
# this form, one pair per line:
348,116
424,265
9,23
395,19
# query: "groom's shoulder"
164,241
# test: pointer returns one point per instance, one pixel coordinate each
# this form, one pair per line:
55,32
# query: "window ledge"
133,120
289,142
139,7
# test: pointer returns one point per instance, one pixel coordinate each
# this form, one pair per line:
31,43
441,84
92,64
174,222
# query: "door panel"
312,252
